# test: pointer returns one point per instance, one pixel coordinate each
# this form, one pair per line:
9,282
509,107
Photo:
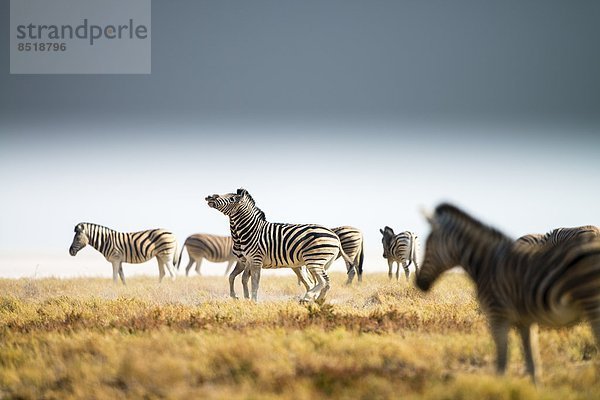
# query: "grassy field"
87,338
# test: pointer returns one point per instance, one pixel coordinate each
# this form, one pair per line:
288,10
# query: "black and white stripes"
213,248
134,248
401,249
554,284
262,244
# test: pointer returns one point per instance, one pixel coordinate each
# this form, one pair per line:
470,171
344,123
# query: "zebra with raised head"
561,235
263,244
517,286
133,248
214,248
401,249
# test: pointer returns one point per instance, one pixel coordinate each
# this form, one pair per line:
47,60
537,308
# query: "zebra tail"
348,260
177,259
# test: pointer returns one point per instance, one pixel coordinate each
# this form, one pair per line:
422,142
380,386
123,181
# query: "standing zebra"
560,235
352,244
134,248
214,248
401,249
553,285
262,244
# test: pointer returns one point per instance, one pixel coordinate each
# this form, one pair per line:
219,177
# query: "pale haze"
330,112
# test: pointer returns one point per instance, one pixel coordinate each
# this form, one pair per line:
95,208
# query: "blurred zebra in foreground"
133,248
214,248
262,244
561,235
517,286
401,249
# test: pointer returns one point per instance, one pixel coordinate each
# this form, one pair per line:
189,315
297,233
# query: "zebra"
352,244
262,244
214,248
520,286
560,235
401,249
134,248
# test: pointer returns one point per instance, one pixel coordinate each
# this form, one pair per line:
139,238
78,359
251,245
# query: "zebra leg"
302,278
161,270
255,275
529,339
500,327
171,269
406,271
315,271
390,268
229,265
189,266
121,274
397,270
321,297
351,271
245,278
198,265
239,268
116,266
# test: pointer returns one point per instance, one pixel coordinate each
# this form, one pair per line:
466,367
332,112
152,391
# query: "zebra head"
386,240
227,203
439,257
80,240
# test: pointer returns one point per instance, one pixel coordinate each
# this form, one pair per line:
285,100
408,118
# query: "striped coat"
561,235
213,248
263,244
401,249
517,286
134,248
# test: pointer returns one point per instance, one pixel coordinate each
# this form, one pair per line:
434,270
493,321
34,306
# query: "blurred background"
335,112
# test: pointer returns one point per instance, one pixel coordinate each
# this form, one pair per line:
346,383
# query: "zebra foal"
134,248
401,249
517,286
259,243
214,248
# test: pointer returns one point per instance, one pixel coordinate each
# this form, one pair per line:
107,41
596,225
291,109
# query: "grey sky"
334,112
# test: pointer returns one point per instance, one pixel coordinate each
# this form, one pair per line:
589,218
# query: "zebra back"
212,247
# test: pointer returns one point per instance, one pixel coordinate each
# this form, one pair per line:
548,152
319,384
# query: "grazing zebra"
214,248
352,244
262,244
560,235
401,249
134,248
520,286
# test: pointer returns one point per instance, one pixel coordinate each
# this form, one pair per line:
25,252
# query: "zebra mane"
260,213
95,225
457,215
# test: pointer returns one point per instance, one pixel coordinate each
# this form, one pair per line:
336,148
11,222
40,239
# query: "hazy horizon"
335,112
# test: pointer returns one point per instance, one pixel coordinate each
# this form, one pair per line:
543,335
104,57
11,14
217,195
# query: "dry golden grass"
86,338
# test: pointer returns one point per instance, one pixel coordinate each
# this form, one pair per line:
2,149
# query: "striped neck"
97,236
474,246
245,221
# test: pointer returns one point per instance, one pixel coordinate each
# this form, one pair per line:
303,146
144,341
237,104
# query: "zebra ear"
78,228
428,216
241,191
381,231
